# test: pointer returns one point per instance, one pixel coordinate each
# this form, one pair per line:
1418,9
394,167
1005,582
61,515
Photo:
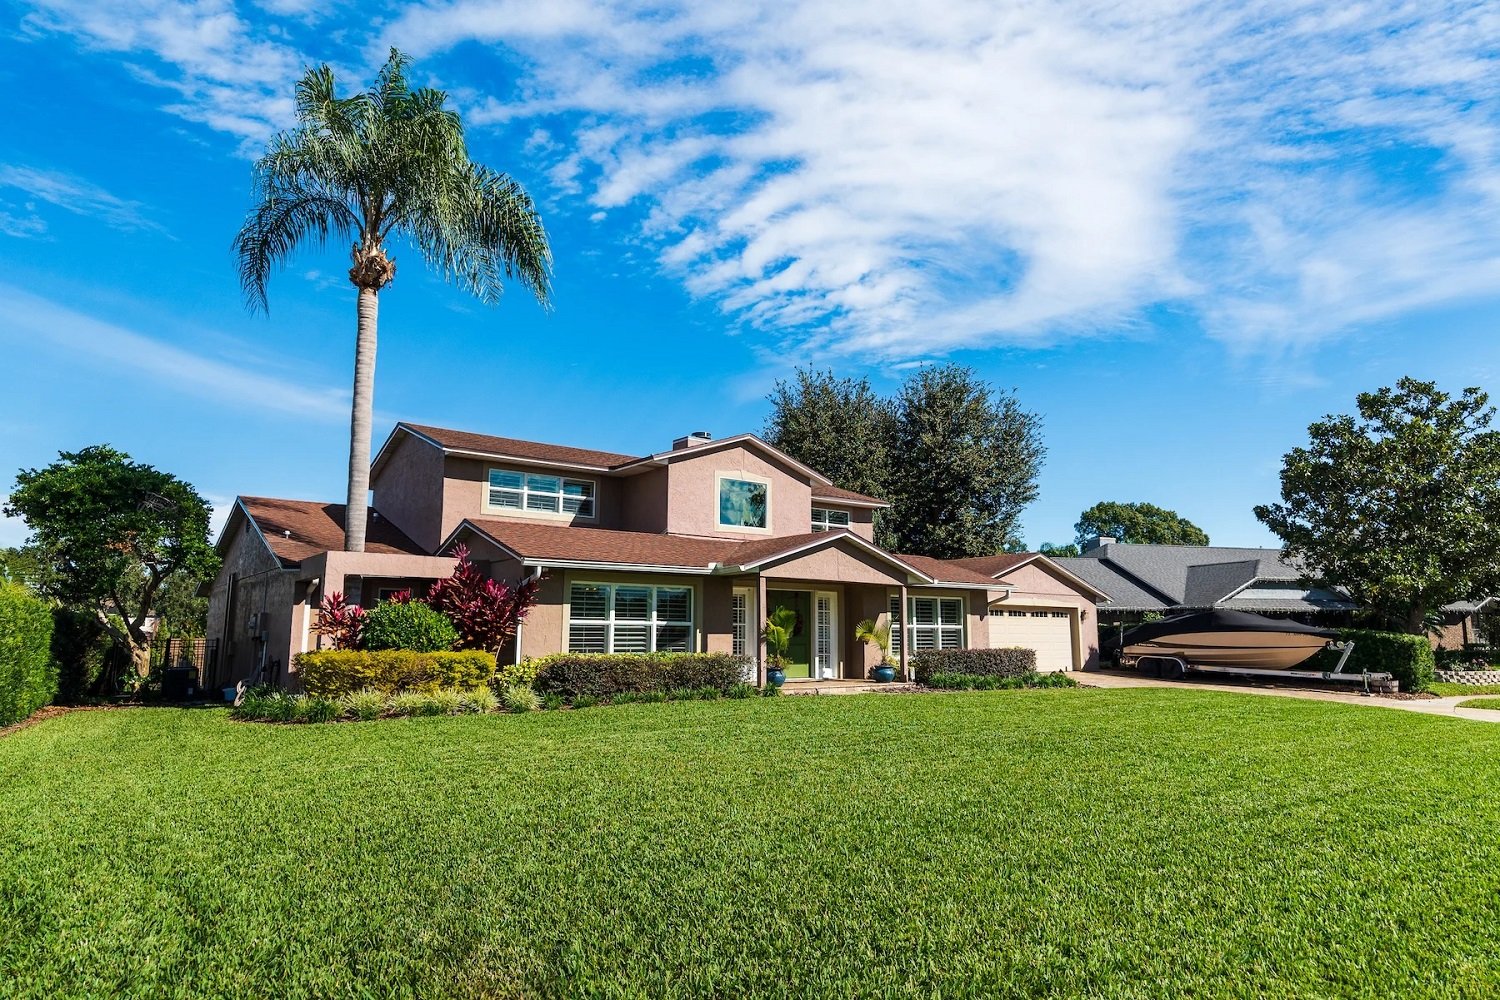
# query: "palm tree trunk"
361,417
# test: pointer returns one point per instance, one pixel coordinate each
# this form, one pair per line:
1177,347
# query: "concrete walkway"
1426,706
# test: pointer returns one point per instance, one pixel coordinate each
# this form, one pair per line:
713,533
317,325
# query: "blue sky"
1179,231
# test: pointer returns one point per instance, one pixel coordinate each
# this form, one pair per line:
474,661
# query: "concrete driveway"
1426,706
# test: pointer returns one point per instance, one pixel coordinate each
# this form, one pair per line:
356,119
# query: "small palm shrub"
446,702
366,704
408,625
521,699
552,702
739,691
585,701
407,703
315,709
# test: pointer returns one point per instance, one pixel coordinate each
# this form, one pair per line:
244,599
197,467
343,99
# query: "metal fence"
202,655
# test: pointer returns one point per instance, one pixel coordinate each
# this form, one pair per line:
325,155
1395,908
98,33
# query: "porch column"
760,635
905,639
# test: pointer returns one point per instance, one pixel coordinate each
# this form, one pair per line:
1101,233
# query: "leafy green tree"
27,565
115,531
180,612
1137,524
965,459
1067,551
1399,505
838,426
387,163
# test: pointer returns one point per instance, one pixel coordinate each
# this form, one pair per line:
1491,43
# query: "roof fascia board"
614,567
666,457
832,537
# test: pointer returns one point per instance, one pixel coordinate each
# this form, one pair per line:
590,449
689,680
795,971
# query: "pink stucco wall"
1036,587
693,497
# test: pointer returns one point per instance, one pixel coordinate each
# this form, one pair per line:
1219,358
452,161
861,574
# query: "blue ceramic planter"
885,674
776,678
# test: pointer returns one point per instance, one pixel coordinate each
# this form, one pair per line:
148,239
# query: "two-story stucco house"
687,549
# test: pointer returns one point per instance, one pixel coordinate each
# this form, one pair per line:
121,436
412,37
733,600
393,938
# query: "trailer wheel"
1150,666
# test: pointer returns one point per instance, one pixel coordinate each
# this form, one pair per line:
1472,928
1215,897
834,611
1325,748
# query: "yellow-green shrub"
337,672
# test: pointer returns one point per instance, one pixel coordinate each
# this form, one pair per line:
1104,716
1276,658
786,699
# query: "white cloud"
905,179
32,319
228,75
73,194
899,180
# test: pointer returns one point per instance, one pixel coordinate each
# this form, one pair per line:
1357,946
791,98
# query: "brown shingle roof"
605,545
822,492
643,548
298,529
512,448
948,571
994,565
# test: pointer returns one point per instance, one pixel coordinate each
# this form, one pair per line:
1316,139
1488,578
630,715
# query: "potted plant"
879,636
778,635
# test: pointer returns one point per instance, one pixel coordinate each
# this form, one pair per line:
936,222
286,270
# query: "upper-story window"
537,493
744,503
824,518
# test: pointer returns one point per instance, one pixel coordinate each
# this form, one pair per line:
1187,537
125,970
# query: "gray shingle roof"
1167,577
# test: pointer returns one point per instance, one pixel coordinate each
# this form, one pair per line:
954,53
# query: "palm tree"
385,163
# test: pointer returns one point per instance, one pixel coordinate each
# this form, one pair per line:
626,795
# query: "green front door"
799,650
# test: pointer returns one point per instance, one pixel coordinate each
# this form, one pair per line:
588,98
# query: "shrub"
366,704
446,702
552,702
1408,658
406,703
770,691
513,674
28,674
585,701
520,699
82,650
605,675
1004,662
316,709
410,626
334,672
740,690
990,682
480,701
342,623
485,612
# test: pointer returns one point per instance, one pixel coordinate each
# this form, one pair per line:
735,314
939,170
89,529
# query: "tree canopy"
1398,505
115,532
1137,524
956,458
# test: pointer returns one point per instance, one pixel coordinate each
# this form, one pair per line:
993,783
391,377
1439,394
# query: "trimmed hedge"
604,675
332,673
990,682
1408,658
1009,661
28,675
410,626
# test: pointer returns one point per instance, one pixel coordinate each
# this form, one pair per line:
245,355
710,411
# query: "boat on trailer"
1235,642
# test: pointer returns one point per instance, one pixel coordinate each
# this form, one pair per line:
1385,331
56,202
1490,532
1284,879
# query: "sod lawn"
1126,843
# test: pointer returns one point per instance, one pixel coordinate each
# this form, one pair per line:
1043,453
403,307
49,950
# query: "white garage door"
1049,631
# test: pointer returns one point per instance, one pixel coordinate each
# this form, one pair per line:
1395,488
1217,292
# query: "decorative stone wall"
1472,677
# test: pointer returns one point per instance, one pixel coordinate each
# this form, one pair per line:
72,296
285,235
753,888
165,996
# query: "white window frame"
823,518
526,492
942,636
742,477
652,623
825,635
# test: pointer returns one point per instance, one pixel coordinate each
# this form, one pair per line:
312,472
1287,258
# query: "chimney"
1100,542
692,440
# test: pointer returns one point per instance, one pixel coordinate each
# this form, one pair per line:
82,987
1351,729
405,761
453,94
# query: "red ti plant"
485,612
341,622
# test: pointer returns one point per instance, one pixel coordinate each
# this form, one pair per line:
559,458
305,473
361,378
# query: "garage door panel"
1049,631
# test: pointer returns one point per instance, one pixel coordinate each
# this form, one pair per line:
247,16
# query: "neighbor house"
1168,580
686,549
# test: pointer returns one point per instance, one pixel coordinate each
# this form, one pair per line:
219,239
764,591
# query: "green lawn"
1448,690
1129,843
1490,703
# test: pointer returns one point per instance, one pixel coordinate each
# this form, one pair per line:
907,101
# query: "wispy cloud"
903,179
899,180
73,194
228,74
87,340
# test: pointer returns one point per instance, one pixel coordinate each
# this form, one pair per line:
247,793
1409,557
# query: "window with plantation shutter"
540,493
936,623
629,618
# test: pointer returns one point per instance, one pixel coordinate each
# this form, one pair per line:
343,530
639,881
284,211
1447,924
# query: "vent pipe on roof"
692,440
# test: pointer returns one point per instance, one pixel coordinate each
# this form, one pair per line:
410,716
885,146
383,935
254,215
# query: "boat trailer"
1175,668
